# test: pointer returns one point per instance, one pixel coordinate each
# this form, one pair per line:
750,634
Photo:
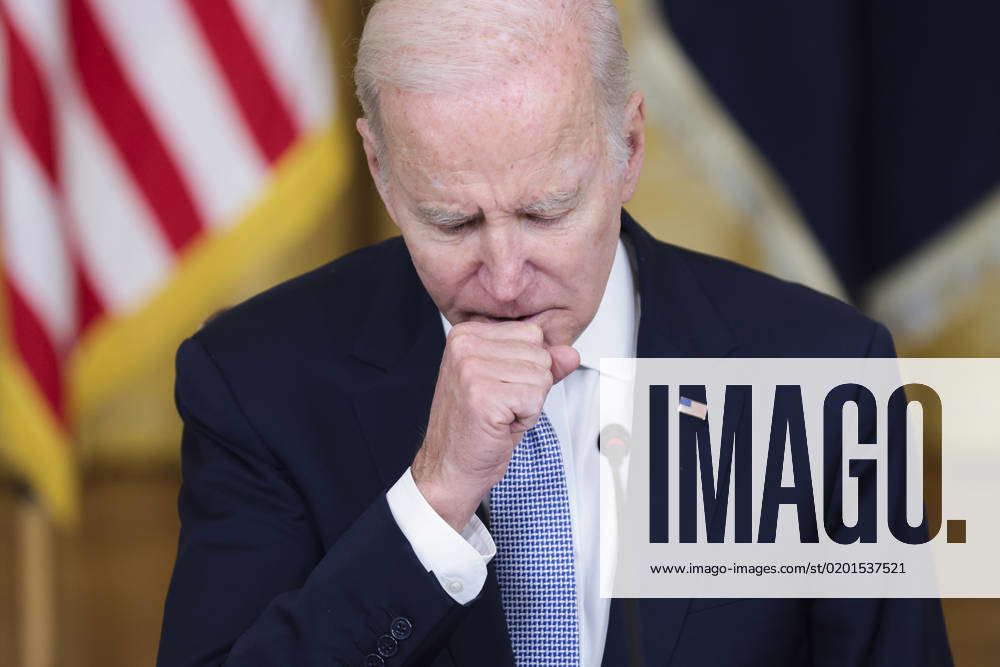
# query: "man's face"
506,197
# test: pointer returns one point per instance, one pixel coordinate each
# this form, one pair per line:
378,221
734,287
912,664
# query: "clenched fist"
490,389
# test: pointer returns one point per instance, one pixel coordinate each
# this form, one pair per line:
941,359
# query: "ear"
368,142
635,125
375,168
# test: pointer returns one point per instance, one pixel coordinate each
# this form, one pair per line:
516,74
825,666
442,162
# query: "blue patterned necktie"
530,522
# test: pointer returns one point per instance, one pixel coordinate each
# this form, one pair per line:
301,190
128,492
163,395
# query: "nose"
504,272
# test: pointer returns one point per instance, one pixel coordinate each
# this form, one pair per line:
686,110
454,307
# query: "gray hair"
438,46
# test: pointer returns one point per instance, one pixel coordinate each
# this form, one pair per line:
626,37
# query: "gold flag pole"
36,583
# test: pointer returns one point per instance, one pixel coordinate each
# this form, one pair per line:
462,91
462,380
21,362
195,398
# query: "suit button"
372,660
401,627
386,646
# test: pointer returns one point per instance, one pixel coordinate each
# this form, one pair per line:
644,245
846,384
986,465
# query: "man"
343,430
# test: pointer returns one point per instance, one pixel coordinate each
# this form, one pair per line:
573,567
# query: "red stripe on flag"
130,128
32,111
88,304
29,101
35,348
262,108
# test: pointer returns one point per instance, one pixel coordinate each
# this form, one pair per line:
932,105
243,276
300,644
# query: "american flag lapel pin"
693,408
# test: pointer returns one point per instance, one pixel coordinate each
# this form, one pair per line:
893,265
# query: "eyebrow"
443,217
553,201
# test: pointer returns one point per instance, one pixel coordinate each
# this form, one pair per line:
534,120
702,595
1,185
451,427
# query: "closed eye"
546,219
453,228
458,225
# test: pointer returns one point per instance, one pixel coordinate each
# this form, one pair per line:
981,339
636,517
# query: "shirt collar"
612,332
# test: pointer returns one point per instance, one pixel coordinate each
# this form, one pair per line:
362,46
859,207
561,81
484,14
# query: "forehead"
534,126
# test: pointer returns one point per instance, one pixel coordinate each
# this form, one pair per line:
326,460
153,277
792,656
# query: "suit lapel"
677,319
401,343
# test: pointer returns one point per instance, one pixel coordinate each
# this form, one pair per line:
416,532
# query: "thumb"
565,360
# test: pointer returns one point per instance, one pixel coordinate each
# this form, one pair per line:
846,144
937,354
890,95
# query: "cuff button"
386,646
372,660
401,627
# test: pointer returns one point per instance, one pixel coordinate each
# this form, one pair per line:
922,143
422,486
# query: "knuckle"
458,342
534,354
462,330
539,373
473,394
539,399
468,369
527,399
527,366
463,343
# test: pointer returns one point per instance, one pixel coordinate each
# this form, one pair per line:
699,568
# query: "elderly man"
392,459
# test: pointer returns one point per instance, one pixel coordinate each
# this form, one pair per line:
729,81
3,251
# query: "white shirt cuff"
458,560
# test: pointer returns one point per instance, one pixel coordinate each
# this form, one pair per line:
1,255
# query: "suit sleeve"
457,559
253,584
878,632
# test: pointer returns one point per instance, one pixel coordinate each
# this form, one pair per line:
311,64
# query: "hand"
490,389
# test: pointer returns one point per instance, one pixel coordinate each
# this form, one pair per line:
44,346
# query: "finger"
565,360
519,405
514,350
515,439
525,422
528,332
511,371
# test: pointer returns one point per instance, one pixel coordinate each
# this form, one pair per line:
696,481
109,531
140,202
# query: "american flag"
692,407
131,133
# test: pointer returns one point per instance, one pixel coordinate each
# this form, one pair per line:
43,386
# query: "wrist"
454,501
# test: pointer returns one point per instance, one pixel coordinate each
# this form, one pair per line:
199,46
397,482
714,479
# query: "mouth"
493,319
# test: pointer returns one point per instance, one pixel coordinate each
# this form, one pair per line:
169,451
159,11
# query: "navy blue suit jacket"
304,404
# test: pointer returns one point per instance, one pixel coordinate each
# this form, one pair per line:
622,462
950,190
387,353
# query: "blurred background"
163,159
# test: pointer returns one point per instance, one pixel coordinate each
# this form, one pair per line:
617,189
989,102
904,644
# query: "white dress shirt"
458,560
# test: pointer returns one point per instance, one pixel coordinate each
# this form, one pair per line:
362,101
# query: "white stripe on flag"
31,239
41,25
173,73
291,40
123,248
